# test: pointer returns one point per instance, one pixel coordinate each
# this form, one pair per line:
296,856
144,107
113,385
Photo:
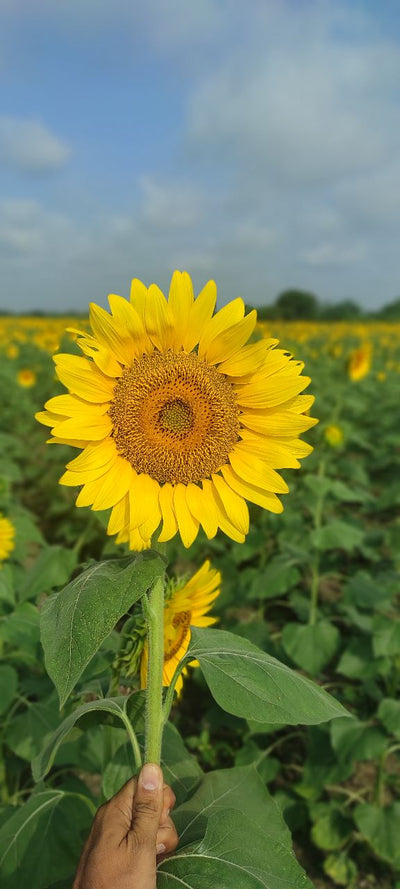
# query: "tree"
292,304
345,310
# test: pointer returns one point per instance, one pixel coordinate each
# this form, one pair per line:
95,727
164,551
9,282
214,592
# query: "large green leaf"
42,841
231,834
21,628
248,682
386,636
104,707
52,568
337,535
180,768
76,620
29,730
389,715
357,741
381,827
311,646
7,593
8,686
278,578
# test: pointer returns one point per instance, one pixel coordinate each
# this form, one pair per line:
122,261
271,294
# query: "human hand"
129,834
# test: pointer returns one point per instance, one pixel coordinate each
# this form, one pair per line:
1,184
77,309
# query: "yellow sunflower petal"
74,479
200,314
131,322
143,499
269,449
180,302
136,541
110,334
166,501
88,493
92,428
147,529
103,359
159,319
254,470
187,524
277,422
83,378
114,485
224,522
47,418
71,405
227,344
265,499
263,395
246,361
139,297
94,455
72,443
119,518
202,508
234,505
225,318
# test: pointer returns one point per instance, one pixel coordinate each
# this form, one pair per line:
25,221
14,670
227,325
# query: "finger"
147,809
168,802
167,838
115,816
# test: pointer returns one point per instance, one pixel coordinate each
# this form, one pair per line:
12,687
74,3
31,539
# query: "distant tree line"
293,304
290,305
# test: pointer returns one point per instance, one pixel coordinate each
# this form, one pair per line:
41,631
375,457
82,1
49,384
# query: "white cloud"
166,204
304,113
29,232
333,254
29,146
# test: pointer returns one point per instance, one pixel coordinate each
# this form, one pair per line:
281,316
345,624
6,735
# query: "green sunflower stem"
155,639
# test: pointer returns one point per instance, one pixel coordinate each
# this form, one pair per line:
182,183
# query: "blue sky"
257,144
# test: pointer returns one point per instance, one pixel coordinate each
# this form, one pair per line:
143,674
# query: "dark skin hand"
129,835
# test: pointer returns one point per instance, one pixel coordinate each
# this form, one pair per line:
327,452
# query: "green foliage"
248,682
311,594
231,826
76,621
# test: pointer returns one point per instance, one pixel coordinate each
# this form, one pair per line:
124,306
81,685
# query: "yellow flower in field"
381,376
359,363
187,606
26,378
179,420
7,537
334,436
12,351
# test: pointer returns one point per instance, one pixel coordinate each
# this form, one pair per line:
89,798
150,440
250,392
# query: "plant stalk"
155,640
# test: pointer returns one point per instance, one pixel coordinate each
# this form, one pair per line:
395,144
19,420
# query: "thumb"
147,809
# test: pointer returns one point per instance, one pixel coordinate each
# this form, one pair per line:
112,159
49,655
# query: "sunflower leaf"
75,621
232,833
249,683
41,841
103,708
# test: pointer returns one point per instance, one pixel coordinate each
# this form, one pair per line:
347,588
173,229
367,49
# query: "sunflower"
7,537
179,420
186,606
334,435
26,378
359,363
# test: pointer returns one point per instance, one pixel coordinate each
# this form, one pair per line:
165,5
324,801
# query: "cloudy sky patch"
256,144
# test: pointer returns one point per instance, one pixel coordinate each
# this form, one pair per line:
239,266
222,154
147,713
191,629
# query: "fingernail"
151,777
161,848
168,811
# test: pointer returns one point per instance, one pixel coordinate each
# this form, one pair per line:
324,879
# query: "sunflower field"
214,584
